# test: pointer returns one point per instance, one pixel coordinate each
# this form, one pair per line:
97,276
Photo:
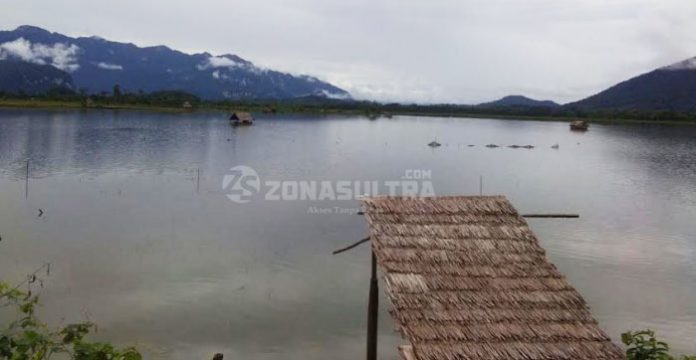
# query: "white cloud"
219,75
61,56
332,95
218,62
19,48
108,66
309,78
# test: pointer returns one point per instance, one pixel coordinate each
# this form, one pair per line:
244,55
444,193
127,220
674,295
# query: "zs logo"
242,182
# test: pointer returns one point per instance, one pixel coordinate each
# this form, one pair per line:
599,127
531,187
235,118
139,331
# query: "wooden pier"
467,279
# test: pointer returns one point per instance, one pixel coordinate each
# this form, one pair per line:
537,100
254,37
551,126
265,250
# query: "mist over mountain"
96,64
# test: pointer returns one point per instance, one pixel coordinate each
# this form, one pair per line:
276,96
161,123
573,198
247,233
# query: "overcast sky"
462,51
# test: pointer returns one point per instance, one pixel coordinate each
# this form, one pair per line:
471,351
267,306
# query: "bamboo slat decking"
467,279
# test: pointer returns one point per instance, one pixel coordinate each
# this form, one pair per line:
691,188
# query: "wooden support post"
372,302
372,307
26,183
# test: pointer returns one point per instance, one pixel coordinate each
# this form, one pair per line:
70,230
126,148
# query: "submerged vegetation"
28,338
642,345
176,100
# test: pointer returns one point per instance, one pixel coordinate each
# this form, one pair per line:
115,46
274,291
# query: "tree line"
318,104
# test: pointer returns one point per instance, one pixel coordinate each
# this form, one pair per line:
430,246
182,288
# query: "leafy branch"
28,338
642,345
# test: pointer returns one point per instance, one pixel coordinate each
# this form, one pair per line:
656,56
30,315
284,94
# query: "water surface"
144,242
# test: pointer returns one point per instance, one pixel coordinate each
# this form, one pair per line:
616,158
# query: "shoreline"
314,110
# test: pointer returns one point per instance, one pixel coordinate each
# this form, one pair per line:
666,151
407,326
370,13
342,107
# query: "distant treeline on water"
64,97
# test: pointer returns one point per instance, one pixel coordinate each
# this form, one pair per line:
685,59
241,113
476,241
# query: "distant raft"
579,125
241,118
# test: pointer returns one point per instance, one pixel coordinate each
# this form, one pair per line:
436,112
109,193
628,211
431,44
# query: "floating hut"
241,118
579,125
467,279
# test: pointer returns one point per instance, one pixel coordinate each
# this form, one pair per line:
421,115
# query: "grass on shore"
310,109
60,104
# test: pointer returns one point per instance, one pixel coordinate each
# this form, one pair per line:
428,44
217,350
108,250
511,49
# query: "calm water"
177,269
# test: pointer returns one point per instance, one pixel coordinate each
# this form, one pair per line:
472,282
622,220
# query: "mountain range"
518,100
669,88
96,65
34,60
31,78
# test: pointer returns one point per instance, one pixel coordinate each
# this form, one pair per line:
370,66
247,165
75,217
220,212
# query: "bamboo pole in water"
26,182
372,308
372,302
198,179
351,246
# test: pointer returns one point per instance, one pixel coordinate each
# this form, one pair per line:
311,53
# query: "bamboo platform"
467,279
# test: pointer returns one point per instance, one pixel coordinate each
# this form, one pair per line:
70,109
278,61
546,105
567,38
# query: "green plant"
642,345
28,338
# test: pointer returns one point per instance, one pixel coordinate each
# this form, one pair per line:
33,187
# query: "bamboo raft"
467,279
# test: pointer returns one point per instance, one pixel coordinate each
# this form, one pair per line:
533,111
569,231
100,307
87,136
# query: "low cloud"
217,75
222,63
61,56
333,95
218,62
107,66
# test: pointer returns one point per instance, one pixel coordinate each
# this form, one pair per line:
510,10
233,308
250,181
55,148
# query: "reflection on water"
183,272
